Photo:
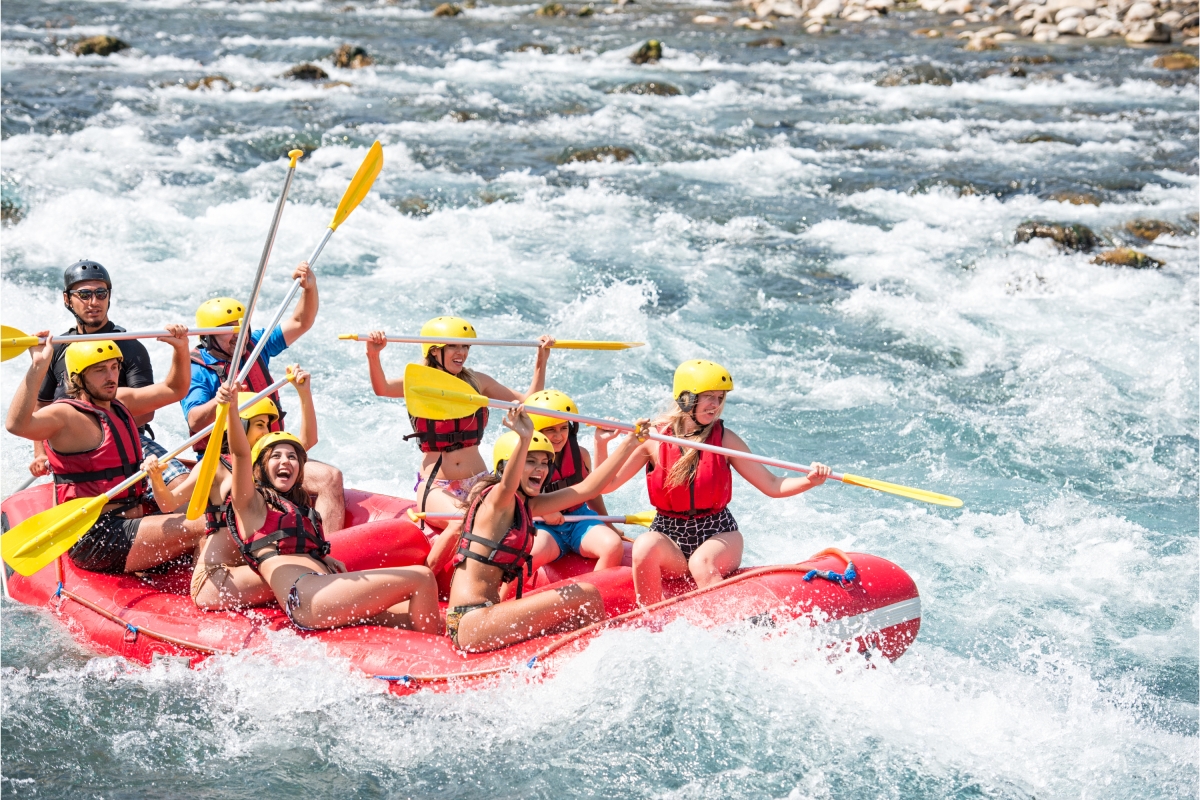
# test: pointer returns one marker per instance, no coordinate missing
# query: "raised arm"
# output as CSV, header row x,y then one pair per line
x,y
767,482
594,484
380,384
247,502
24,418
174,388
517,420
308,411
305,312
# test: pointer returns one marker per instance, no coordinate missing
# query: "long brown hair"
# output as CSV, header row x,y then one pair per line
x,y
296,495
684,470
465,375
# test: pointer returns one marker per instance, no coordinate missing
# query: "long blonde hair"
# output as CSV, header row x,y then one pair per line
x,y
465,375
684,470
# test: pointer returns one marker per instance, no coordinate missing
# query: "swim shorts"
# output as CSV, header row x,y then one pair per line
x,y
569,535
691,532
454,618
171,469
105,548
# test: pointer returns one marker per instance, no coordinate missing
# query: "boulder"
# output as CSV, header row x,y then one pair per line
x,y
1177,61
587,11
1076,198
351,57
977,44
649,88
99,46
551,10
604,153
770,41
826,9
916,74
447,10
1148,32
1139,11
706,19
1069,236
1151,229
545,49
648,53
211,82
463,116
306,72
414,207
1127,257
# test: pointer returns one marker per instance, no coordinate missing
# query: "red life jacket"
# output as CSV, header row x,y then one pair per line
x,y
709,491
257,379
447,435
511,554
288,530
94,472
568,469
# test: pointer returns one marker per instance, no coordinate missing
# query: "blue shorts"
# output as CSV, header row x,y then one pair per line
x,y
172,469
569,535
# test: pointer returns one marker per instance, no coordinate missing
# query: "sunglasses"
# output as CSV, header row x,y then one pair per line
x,y
87,295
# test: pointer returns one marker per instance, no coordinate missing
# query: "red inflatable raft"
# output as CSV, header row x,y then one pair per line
x,y
142,618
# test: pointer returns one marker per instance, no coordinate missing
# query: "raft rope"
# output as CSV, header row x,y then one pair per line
x,y
587,630
840,578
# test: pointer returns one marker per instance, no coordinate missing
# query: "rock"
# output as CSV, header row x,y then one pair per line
x,y
306,72
955,7
551,10
1139,11
99,46
1127,257
1068,13
10,212
587,11
545,49
1177,61
1070,237
826,9
351,57
1151,229
918,74
1005,36
447,10
706,19
931,33
210,82
814,28
414,207
605,153
1171,18
1148,32
978,44
1071,26
335,84
463,116
648,53
1042,59
1109,27
770,41
1039,138
1076,198
649,88
861,15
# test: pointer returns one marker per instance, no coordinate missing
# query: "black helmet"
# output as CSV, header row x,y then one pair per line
x,y
85,271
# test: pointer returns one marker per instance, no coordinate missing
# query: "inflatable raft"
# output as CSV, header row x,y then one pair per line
x,y
148,617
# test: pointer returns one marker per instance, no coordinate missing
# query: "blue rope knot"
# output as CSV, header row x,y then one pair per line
x,y
529,664
131,628
840,578
58,592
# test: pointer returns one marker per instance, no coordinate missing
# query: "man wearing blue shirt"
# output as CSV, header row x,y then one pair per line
x,y
210,365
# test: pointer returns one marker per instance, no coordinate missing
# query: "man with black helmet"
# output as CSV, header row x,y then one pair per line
x,y
87,289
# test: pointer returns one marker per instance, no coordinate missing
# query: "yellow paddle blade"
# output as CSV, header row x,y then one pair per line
x,y
643,518
13,342
44,537
208,466
360,185
575,344
903,491
432,394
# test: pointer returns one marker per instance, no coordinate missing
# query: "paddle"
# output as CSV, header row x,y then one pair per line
x,y
44,537
13,342
561,344
208,465
433,394
643,518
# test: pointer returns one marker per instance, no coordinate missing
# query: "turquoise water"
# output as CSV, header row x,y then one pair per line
x,y
846,249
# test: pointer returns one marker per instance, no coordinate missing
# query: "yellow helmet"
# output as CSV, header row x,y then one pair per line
x,y
698,376
275,438
81,355
507,443
451,327
552,400
265,406
219,311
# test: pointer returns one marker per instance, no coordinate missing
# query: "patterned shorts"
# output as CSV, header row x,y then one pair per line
x,y
172,469
458,489
690,533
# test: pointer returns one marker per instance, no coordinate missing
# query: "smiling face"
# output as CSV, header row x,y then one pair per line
x,y
558,435
452,357
100,380
537,468
709,406
93,311
282,466
258,427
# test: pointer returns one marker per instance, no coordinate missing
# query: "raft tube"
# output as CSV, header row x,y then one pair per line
x,y
150,617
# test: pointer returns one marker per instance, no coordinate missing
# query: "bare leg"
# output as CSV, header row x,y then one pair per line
x,y
654,555
716,558
332,601
326,483
161,538
602,543
562,609
221,578
545,550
